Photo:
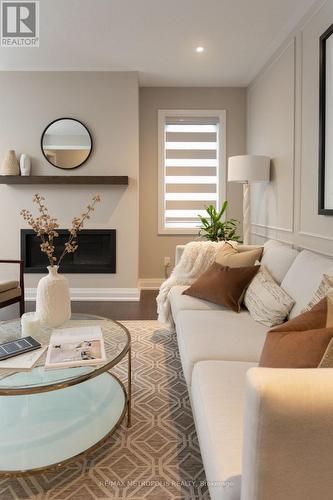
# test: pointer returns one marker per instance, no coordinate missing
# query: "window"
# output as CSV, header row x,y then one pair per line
x,y
192,171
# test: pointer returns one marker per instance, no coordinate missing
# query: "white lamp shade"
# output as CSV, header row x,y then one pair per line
x,y
248,168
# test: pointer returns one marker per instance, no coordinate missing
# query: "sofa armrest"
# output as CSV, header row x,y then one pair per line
x,y
288,434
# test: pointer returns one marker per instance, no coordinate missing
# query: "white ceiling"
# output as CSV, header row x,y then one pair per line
x,y
157,38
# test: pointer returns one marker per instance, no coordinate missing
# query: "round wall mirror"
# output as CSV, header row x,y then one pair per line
x,y
66,143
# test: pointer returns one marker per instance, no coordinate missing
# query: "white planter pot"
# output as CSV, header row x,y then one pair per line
x,y
25,164
53,304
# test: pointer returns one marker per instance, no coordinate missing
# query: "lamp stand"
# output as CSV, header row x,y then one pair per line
x,y
246,214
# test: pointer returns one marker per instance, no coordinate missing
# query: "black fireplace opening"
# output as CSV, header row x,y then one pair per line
x,y
96,252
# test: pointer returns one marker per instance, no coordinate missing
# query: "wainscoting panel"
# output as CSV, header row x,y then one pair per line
x,y
311,224
271,102
278,213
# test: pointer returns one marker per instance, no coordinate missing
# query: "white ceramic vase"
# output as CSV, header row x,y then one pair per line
x,y
53,304
25,164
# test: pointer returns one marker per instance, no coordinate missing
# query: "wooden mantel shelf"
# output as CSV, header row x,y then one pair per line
x,y
65,179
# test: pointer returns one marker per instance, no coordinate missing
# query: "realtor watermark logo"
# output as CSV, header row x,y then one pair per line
x,y
19,23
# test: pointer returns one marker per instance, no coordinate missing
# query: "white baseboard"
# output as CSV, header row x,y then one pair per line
x,y
150,283
97,294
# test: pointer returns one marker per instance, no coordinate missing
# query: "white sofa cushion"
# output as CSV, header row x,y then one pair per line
x,y
304,277
181,302
217,395
277,258
217,335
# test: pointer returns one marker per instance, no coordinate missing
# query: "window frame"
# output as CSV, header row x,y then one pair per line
x,y
222,168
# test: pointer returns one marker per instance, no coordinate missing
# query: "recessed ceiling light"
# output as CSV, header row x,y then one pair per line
x,y
199,49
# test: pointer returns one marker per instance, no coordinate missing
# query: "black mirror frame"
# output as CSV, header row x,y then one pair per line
x,y
322,122
57,120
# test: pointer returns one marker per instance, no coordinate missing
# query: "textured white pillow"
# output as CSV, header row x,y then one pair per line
x,y
325,287
266,301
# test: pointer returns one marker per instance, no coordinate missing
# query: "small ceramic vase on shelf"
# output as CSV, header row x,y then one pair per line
x,y
53,303
25,164
10,165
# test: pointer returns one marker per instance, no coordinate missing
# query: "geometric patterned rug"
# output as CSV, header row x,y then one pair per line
x,y
158,458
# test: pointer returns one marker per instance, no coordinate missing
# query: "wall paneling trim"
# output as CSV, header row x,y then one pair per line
x,y
283,122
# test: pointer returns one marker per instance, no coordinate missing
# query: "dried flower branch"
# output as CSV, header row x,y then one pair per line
x,y
46,227
77,224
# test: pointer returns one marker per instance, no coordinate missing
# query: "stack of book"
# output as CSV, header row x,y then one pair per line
x,y
68,347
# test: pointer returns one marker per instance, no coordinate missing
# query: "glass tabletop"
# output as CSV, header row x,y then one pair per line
x,y
116,340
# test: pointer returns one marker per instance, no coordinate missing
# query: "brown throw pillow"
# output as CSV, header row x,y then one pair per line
x,y
300,342
223,285
232,257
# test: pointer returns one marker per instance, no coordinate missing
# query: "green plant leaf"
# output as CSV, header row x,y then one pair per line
x,y
214,229
223,209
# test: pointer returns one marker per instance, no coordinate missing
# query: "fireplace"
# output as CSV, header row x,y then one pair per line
x,y
96,252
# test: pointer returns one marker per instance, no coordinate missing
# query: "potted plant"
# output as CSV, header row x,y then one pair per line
x,y
53,305
214,228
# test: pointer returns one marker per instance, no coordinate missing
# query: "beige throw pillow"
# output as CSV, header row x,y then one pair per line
x,y
231,257
266,301
247,248
327,359
329,319
323,289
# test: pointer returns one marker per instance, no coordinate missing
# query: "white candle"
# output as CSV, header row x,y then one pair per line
x,y
30,324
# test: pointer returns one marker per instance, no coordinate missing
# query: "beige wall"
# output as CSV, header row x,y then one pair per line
x,y
108,104
154,247
282,122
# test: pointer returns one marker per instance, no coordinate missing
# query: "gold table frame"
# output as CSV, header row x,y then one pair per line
x,y
75,381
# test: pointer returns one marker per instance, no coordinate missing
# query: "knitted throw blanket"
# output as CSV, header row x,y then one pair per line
x,y
196,258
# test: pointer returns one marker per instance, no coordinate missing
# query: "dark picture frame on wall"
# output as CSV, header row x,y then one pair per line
x,y
325,184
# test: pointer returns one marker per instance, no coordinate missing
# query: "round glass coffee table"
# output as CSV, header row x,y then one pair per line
x,y
50,417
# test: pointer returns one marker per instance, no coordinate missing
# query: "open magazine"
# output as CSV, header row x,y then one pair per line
x,y
79,346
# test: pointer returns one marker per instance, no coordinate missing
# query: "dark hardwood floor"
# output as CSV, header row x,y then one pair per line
x,y
144,309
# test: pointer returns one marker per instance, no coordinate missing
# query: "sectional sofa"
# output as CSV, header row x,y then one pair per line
x,y
264,434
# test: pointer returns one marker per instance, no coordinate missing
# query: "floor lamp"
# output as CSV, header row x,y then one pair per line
x,y
247,169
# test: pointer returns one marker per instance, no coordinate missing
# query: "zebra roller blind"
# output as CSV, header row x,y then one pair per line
x,y
190,167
